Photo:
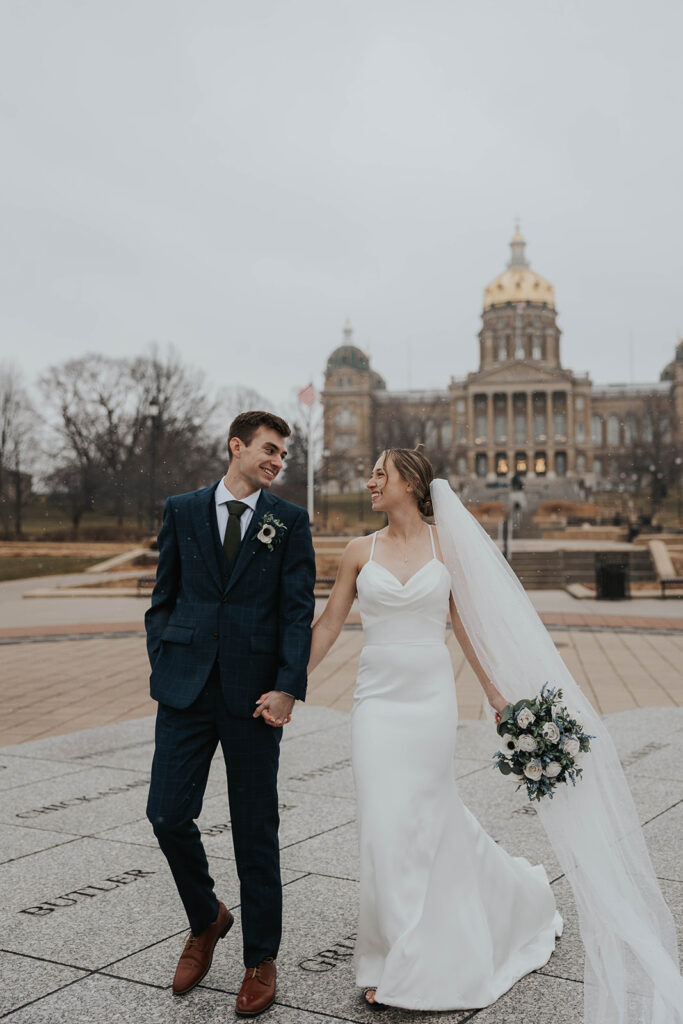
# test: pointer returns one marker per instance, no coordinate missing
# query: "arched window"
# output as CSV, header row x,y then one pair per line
x,y
596,428
647,428
613,429
446,434
580,463
597,466
461,465
630,428
537,350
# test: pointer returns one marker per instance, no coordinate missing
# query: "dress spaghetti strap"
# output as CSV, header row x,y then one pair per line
x,y
431,537
372,549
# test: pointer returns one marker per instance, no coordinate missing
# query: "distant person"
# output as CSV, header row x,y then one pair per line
x,y
517,482
228,636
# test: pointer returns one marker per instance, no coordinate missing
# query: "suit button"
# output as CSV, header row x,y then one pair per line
x,y
224,600
214,636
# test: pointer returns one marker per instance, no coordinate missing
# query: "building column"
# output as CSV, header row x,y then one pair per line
x,y
490,439
530,439
571,434
469,435
510,432
550,436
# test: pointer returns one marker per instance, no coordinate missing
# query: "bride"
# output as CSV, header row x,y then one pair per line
x,y
448,920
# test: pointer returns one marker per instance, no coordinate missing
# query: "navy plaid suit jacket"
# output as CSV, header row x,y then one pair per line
x,y
256,619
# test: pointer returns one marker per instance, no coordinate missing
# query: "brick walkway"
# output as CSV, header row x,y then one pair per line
x,y
58,678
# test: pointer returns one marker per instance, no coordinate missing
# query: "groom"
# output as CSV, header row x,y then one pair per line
x,y
228,637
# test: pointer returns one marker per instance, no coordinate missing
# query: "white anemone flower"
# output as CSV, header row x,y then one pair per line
x,y
266,534
508,744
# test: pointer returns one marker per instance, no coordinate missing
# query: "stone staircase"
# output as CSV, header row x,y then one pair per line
x,y
536,491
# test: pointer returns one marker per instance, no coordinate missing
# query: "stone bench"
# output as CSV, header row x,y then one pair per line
x,y
664,566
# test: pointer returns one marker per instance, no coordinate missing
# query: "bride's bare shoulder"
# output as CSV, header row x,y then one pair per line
x,y
357,551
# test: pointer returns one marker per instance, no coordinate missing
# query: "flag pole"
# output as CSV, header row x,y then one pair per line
x,y
309,466
307,398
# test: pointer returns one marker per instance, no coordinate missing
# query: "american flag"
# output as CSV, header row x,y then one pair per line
x,y
307,395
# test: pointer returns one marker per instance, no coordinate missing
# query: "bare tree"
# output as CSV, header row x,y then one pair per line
x,y
17,437
132,431
652,451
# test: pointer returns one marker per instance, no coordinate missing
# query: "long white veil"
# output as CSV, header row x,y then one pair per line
x,y
631,973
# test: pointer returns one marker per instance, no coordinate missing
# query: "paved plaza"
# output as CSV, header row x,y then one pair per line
x,y
91,924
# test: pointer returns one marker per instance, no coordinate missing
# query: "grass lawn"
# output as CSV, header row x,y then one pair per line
x,y
14,568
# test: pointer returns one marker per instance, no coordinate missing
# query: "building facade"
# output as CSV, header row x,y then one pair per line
x,y
520,412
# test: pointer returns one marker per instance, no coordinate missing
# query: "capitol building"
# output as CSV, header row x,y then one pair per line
x,y
520,412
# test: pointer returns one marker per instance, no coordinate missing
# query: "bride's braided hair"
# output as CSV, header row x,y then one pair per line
x,y
416,469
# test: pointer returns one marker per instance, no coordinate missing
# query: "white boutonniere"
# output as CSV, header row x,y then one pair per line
x,y
269,531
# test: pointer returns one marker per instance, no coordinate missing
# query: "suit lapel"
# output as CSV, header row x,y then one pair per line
x,y
250,544
203,508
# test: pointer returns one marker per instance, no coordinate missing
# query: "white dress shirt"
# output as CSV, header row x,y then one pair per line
x,y
223,496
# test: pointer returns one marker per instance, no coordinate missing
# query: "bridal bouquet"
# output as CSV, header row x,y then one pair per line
x,y
541,743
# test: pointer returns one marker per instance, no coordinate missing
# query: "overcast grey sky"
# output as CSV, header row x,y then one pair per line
x,y
238,178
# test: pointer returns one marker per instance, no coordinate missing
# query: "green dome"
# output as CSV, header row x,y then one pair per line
x,y
348,356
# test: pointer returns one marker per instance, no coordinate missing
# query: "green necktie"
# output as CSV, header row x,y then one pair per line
x,y
233,534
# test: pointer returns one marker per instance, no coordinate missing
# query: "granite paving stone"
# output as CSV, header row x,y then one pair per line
x,y
100,896
664,837
315,963
19,841
84,802
19,771
319,764
100,999
537,999
79,803
26,979
333,853
89,902
75,746
302,815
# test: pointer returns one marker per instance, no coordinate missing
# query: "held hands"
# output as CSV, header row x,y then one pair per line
x,y
274,707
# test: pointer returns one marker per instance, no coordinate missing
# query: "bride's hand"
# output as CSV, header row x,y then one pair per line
x,y
498,703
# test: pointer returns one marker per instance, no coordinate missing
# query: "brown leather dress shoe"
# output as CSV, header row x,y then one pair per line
x,y
195,959
258,989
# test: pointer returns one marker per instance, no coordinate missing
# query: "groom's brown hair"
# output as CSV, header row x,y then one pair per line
x,y
246,424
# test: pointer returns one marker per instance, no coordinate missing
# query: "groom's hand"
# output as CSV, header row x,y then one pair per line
x,y
275,707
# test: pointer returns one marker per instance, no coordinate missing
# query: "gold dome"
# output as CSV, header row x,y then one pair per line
x,y
519,283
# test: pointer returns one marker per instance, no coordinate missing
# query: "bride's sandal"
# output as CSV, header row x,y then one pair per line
x,y
372,1003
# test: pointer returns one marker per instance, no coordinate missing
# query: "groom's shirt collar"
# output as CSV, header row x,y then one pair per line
x,y
222,496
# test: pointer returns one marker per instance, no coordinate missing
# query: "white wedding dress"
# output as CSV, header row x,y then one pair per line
x,y
448,920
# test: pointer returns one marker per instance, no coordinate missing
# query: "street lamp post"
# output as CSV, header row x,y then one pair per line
x,y
326,483
153,414
360,469
679,498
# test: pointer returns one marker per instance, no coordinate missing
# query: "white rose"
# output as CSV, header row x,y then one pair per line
x,y
525,718
534,770
570,746
552,769
526,743
551,732
508,744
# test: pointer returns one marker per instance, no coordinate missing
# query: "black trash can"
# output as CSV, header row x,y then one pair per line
x,y
611,578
